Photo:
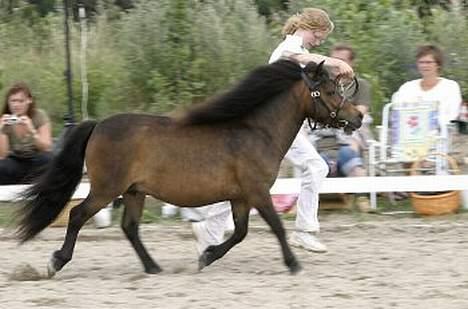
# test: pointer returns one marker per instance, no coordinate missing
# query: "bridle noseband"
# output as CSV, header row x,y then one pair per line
x,y
314,87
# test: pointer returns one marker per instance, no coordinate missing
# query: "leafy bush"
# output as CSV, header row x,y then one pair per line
x,y
383,37
447,30
160,55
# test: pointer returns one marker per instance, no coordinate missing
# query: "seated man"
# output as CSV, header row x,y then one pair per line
x,y
344,154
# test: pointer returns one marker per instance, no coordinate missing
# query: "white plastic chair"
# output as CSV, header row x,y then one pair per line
x,y
409,132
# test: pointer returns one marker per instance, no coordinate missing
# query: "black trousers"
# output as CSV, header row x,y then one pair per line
x,y
17,170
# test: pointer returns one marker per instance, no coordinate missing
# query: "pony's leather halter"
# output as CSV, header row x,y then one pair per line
x,y
316,98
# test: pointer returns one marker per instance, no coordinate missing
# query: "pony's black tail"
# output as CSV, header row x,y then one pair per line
x,y
49,194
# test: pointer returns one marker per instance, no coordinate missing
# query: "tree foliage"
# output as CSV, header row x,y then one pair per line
x,y
385,37
156,56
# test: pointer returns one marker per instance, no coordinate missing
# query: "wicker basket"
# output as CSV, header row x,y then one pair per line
x,y
437,204
63,217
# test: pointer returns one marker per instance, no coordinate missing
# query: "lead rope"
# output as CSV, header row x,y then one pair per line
x,y
315,114
310,124
311,87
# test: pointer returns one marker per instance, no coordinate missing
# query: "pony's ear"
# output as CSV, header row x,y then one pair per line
x,y
314,68
319,68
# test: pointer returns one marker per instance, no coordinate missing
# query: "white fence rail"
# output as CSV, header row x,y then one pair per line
x,y
11,192
378,184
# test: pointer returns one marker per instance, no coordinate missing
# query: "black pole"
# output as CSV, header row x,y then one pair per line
x,y
69,117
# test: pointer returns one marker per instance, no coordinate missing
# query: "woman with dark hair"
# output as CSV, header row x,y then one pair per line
x,y
25,136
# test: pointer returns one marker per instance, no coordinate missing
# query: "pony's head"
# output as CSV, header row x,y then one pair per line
x,y
329,103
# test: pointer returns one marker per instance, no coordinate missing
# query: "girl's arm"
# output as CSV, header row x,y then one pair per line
x,y
4,142
4,145
340,67
43,137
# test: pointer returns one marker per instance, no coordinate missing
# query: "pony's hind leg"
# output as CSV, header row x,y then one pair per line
x,y
78,217
240,212
269,214
134,202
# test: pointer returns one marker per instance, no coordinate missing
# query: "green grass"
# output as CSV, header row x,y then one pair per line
x,y
6,213
152,211
385,205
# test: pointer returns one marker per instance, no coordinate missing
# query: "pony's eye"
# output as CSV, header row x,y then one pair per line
x,y
331,93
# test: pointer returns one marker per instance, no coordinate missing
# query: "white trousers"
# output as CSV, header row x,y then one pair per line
x,y
313,168
217,218
303,155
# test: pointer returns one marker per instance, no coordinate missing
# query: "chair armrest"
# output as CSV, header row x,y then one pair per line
x,y
372,156
378,130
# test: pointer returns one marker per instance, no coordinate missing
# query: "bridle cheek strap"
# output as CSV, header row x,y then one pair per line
x,y
315,94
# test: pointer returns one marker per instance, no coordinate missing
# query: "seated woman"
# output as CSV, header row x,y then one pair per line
x,y
432,87
25,137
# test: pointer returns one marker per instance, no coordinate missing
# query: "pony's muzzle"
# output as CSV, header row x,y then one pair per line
x,y
343,123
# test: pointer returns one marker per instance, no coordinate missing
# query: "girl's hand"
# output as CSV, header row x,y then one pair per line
x,y
341,68
338,67
26,121
3,120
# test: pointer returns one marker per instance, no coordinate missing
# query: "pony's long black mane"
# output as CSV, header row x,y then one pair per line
x,y
258,88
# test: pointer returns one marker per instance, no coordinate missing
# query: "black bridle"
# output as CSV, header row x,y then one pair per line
x,y
314,87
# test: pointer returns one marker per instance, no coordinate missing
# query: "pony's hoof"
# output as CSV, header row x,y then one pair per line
x,y
202,262
56,263
206,258
153,270
51,270
295,268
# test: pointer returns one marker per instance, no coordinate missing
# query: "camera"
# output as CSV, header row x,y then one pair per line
x,y
12,120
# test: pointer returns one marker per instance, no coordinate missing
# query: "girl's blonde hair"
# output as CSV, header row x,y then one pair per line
x,y
309,19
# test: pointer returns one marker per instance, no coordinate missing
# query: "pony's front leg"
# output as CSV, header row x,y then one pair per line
x,y
240,212
78,217
134,203
268,213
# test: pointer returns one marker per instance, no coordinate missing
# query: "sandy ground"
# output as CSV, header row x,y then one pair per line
x,y
373,261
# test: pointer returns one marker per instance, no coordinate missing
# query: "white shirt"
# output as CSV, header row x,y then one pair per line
x,y
446,92
291,44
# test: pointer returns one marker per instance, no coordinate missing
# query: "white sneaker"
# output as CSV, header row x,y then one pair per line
x,y
169,210
202,236
307,241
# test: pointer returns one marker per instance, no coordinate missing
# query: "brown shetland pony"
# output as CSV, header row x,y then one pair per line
x,y
229,148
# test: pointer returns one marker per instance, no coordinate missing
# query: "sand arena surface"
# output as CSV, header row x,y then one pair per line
x,y
373,262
